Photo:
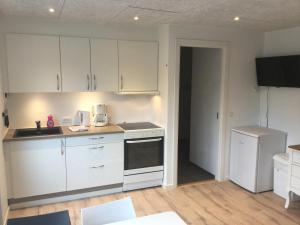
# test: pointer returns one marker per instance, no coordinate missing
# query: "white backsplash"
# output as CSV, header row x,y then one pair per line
x,y
25,109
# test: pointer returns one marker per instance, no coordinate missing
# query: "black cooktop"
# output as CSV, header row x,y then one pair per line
x,y
137,126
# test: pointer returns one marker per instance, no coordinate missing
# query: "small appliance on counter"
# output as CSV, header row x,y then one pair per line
x,y
84,118
100,117
144,155
83,122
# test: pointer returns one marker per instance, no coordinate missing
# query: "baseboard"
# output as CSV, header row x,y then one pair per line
x,y
169,186
6,216
51,200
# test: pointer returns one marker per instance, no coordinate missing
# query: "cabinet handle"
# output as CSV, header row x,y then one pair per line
x,y
95,85
57,79
62,147
95,167
88,81
121,82
96,138
95,148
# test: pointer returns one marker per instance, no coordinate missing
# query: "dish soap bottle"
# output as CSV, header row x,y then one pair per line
x,y
50,122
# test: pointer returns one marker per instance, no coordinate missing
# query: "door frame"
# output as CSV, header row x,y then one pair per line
x,y
224,46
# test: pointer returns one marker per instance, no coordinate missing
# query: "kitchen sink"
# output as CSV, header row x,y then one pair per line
x,y
29,132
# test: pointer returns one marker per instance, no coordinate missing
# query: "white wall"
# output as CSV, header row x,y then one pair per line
x,y
24,109
284,107
243,97
205,102
163,76
3,191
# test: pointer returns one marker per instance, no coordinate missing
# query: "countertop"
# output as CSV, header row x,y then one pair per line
x,y
295,147
109,129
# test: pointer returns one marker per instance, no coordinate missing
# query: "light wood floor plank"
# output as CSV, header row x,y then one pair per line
x,y
211,203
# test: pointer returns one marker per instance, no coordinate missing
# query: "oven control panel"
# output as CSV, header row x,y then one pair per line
x,y
147,133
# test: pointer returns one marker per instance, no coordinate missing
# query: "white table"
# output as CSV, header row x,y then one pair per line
x,y
167,218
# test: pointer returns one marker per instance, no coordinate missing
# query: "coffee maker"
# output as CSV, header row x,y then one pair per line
x,y
100,117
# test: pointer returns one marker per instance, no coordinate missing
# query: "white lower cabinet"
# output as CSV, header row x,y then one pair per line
x,y
36,167
94,165
48,166
94,161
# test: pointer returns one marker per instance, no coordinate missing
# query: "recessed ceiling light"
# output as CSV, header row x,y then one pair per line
x,y
136,18
236,18
51,10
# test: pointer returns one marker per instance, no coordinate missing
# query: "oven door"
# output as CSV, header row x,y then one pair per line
x,y
144,153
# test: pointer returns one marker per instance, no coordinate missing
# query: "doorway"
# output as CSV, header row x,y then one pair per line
x,y
199,106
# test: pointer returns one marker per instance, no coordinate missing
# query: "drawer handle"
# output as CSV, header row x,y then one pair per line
x,y
95,148
96,138
95,167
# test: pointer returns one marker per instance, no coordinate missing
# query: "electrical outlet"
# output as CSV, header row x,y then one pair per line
x,y
66,121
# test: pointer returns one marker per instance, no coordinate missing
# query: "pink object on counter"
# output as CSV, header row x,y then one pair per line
x,y
50,122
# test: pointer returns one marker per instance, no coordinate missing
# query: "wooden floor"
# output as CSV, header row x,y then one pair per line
x,y
209,202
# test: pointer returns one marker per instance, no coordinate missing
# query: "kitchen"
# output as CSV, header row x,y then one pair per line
x,y
79,53
85,65
39,99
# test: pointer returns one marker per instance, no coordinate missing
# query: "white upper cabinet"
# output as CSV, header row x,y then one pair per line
x,y
38,63
104,65
138,66
75,64
33,63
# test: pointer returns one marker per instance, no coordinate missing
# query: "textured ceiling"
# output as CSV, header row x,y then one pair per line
x,y
254,14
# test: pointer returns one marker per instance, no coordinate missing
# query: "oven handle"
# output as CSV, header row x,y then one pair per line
x,y
143,141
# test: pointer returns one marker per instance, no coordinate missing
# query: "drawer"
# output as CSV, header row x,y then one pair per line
x,y
295,182
88,175
94,165
94,139
143,177
296,157
94,154
113,152
296,171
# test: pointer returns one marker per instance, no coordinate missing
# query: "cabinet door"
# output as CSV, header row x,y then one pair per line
x,y
33,63
243,160
37,167
94,165
104,65
75,64
138,62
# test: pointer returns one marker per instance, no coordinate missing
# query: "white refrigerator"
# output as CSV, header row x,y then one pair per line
x,y
251,156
